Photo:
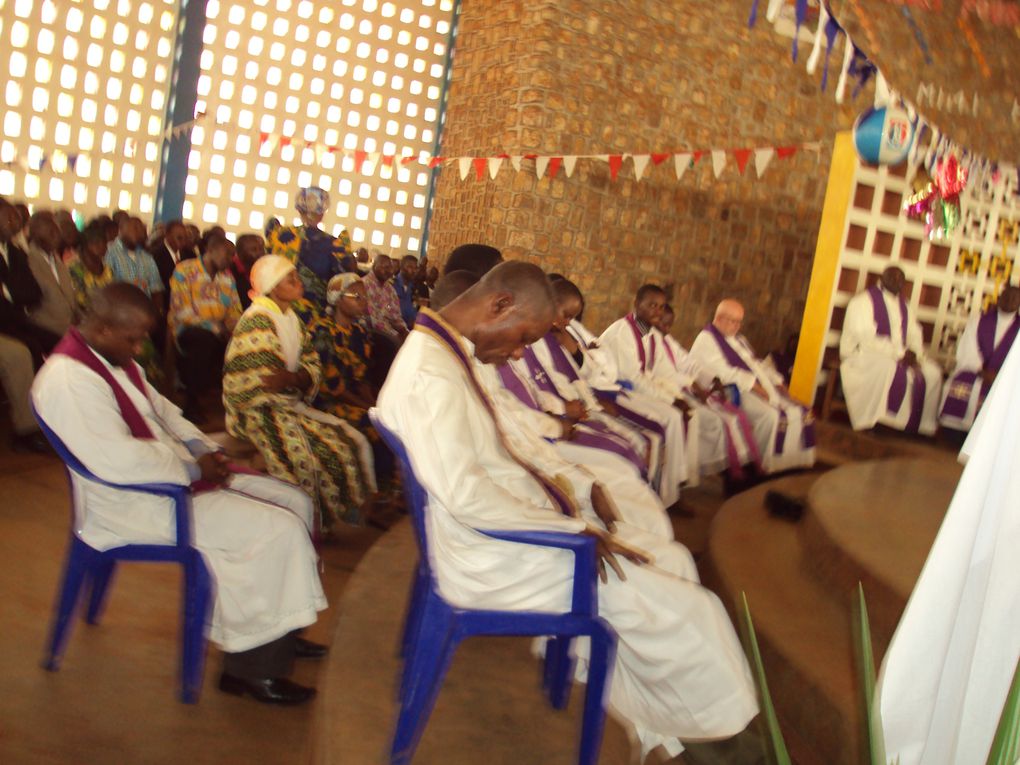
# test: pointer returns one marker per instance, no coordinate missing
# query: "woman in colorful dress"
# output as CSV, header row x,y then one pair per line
x,y
271,369
317,256
344,347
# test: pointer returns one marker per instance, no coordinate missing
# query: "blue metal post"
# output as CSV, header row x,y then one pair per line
x,y
173,169
440,122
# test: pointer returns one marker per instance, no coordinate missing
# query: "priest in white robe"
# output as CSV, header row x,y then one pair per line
x,y
679,671
886,379
980,353
252,531
783,428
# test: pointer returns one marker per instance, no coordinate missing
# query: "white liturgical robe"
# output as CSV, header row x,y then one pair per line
x,y
253,534
868,364
947,672
679,670
965,382
779,450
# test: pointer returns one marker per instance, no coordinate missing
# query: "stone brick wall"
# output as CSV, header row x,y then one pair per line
x,y
573,77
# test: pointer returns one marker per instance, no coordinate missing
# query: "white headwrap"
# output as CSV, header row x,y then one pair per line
x,y
339,284
267,272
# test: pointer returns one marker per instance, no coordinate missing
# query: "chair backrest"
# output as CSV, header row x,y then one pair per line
x,y
416,495
179,494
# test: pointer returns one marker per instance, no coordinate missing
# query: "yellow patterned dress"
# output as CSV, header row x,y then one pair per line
x,y
325,457
318,257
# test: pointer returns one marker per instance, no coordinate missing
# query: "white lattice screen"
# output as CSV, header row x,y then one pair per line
x,y
84,101
946,281
358,75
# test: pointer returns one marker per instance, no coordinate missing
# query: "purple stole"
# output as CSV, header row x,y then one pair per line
x,y
807,433
992,357
432,324
593,434
73,346
647,362
898,388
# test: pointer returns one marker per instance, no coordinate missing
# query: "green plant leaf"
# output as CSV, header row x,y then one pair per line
x,y
1006,744
776,750
871,713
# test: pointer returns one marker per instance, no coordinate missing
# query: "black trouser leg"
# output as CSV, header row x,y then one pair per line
x,y
270,660
201,363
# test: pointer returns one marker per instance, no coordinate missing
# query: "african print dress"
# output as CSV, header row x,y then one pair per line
x,y
327,458
344,353
318,257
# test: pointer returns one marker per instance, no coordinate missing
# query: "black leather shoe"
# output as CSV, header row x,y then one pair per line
x,y
271,690
306,649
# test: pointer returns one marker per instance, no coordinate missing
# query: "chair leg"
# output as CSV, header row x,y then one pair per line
x,y
559,671
603,656
76,571
102,572
196,608
428,659
412,622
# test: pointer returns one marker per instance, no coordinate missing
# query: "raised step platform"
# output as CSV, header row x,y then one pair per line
x,y
872,522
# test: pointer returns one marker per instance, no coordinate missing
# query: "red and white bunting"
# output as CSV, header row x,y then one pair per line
x,y
569,163
464,163
640,163
540,165
718,161
762,157
680,163
494,164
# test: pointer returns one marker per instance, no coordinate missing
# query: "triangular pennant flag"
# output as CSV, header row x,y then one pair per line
x,y
640,163
284,141
569,162
435,161
658,159
540,165
494,164
359,159
718,161
515,162
320,152
741,156
72,160
464,166
387,159
408,159
42,163
785,151
373,161
762,157
680,163
696,156
479,163
263,137
615,163
554,165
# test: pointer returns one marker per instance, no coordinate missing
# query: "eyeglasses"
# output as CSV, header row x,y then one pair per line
x,y
354,295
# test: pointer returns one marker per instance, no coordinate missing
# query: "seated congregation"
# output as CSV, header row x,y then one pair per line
x,y
516,416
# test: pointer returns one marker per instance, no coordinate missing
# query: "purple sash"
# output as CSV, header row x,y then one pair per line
x,y
73,346
898,387
881,314
732,357
432,324
992,357
669,352
647,362
561,363
516,386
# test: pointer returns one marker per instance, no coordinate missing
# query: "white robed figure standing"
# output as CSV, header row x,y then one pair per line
x,y
980,353
886,379
253,531
949,666
784,429
679,671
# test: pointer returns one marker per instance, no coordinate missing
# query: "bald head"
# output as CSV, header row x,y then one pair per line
x,y
118,322
479,259
1009,299
511,307
729,315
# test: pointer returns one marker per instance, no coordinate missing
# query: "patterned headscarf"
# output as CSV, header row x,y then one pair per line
x,y
267,272
312,201
338,285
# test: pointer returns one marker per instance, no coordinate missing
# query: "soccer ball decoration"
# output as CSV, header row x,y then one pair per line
x,y
882,136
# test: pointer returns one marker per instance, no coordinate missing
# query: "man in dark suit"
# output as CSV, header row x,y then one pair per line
x,y
174,248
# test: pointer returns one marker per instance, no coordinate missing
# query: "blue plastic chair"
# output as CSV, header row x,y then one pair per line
x,y
91,569
433,629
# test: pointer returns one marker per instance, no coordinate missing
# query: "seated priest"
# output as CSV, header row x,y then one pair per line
x,y
980,353
252,531
886,379
679,672
784,429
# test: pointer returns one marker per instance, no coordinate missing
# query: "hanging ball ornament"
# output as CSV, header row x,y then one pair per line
x,y
882,136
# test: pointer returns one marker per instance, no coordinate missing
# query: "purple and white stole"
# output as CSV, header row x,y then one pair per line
x,y
433,325
647,360
992,357
898,387
734,359
591,433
